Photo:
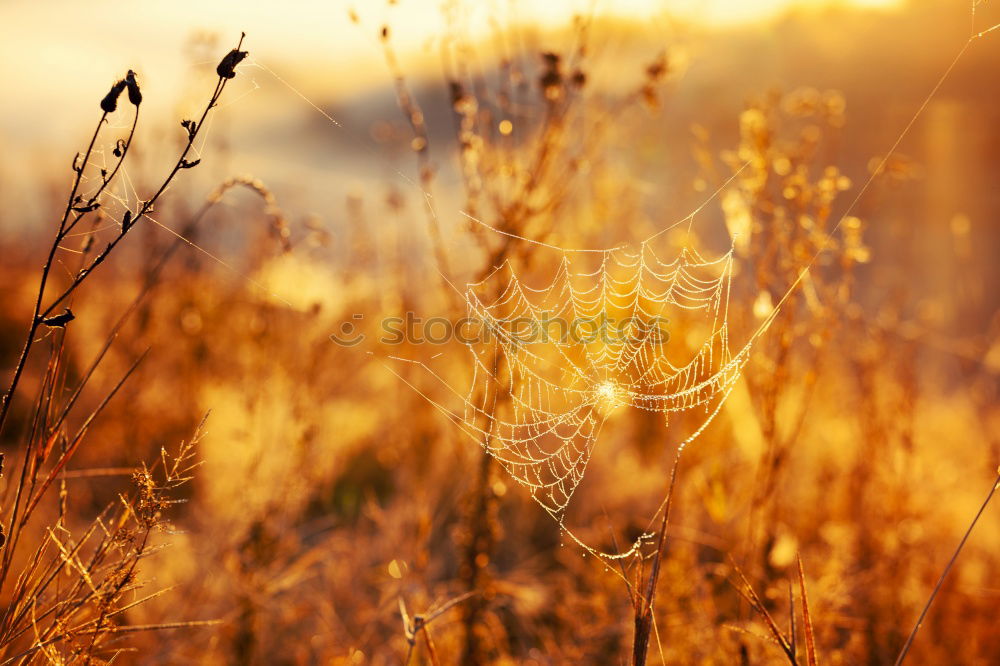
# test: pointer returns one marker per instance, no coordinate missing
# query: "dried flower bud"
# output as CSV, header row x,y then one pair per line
x,y
657,69
134,95
60,321
227,67
110,101
551,79
457,92
550,82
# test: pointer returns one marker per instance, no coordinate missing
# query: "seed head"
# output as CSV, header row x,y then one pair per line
x,y
551,79
227,67
134,95
457,92
60,321
110,101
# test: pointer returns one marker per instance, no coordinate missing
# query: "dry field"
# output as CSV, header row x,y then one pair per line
x,y
588,340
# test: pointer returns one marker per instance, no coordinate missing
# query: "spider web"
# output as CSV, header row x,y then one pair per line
x,y
539,397
538,406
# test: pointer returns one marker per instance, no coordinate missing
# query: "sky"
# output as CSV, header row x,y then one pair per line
x,y
57,58
49,49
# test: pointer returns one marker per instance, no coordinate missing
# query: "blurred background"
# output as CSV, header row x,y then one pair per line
x,y
338,166
882,56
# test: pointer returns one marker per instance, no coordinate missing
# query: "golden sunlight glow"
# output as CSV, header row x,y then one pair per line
x,y
610,397
322,33
716,12
509,322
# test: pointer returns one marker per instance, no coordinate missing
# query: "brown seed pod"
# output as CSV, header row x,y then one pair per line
x,y
457,92
60,321
134,95
110,101
550,80
227,67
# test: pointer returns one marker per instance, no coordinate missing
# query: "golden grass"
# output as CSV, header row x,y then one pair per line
x,y
326,512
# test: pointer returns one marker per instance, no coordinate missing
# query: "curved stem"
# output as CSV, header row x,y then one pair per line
x,y
106,180
146,206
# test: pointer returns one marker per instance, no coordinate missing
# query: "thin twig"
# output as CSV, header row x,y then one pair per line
x,y
944,574
644,605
